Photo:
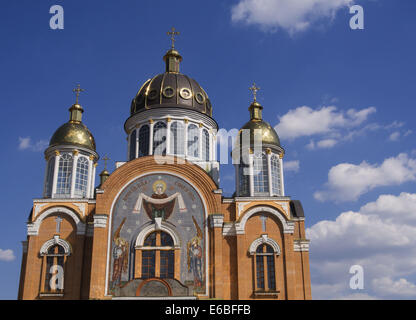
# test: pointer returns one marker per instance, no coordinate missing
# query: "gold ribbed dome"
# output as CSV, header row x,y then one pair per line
x,y
268,134
74,132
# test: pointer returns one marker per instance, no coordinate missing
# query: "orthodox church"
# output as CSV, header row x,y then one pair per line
x,y
158,226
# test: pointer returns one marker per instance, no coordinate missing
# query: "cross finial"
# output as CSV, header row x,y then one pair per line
x,y
172,33
106,158
77,91
254,90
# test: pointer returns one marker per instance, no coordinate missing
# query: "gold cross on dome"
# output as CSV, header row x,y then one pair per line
x,y
254,90
77,91
172,33
106,158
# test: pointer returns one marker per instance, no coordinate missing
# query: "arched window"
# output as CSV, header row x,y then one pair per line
x,y
81,180
49,177
177,138
133,145
205,145
193,141
158,250
275,168
144,141
265,268
260,174
54,253
243,178
63,187
159,138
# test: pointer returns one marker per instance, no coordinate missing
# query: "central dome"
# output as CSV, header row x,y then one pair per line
x,y
171,89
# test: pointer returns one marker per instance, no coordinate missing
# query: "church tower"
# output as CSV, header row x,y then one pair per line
x,y
158,226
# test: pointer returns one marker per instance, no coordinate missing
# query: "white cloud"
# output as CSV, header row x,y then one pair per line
x,y
381,237
6,255
290,15
292,165
347,182
394,136
305,121
26,144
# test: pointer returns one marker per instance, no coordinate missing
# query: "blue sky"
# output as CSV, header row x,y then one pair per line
x,y
342,102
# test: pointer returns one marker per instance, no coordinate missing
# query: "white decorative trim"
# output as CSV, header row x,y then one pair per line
x,y
240,207
216,220
100,220
301,245
264,239
38,208
285,207
162,227
288,226
33,228
81,207
55,240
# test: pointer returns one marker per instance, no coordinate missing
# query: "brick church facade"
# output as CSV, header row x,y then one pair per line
x,y
159,226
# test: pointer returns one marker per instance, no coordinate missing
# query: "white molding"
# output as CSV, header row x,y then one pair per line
x,y
55,240
153,227
100,220
216,220
301,245
264,239
38,208
33,227
81,207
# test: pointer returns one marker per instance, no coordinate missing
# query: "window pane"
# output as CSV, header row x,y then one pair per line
x,y
49,177
205,145
260,174
166,240
144,141
193,141
260,272
167,263
243,179
177,137
159,138
148,263
275,167
81,180
63,186
133,145
271,273
150,240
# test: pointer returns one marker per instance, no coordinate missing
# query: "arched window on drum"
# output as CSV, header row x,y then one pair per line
x,y
144,141
81,181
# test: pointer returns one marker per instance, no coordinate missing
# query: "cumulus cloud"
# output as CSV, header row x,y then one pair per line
x,y
394,136
6,255
305,121
292,165
347,182
290,15
27,144
380,237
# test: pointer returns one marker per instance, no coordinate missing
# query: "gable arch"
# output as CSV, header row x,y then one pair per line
x,y
152,228
264,240
56,240
33,228
288,226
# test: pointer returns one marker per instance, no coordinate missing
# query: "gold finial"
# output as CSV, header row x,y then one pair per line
x,y
254,90
172,33
77,91
106,158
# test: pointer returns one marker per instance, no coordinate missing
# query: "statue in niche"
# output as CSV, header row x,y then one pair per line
x,y
159,204
195,256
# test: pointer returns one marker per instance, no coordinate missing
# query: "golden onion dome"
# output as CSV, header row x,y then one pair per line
x,y
74,132
171,89
266,132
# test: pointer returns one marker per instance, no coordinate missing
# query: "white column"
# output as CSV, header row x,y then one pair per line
x,y
251,176
169,122
74,172
90,163
151,137
93,180
137,143
269,171
55,173
281,177
200,143
186,138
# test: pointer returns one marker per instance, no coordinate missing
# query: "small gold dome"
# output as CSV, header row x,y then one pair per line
x,y
73,133
268,134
